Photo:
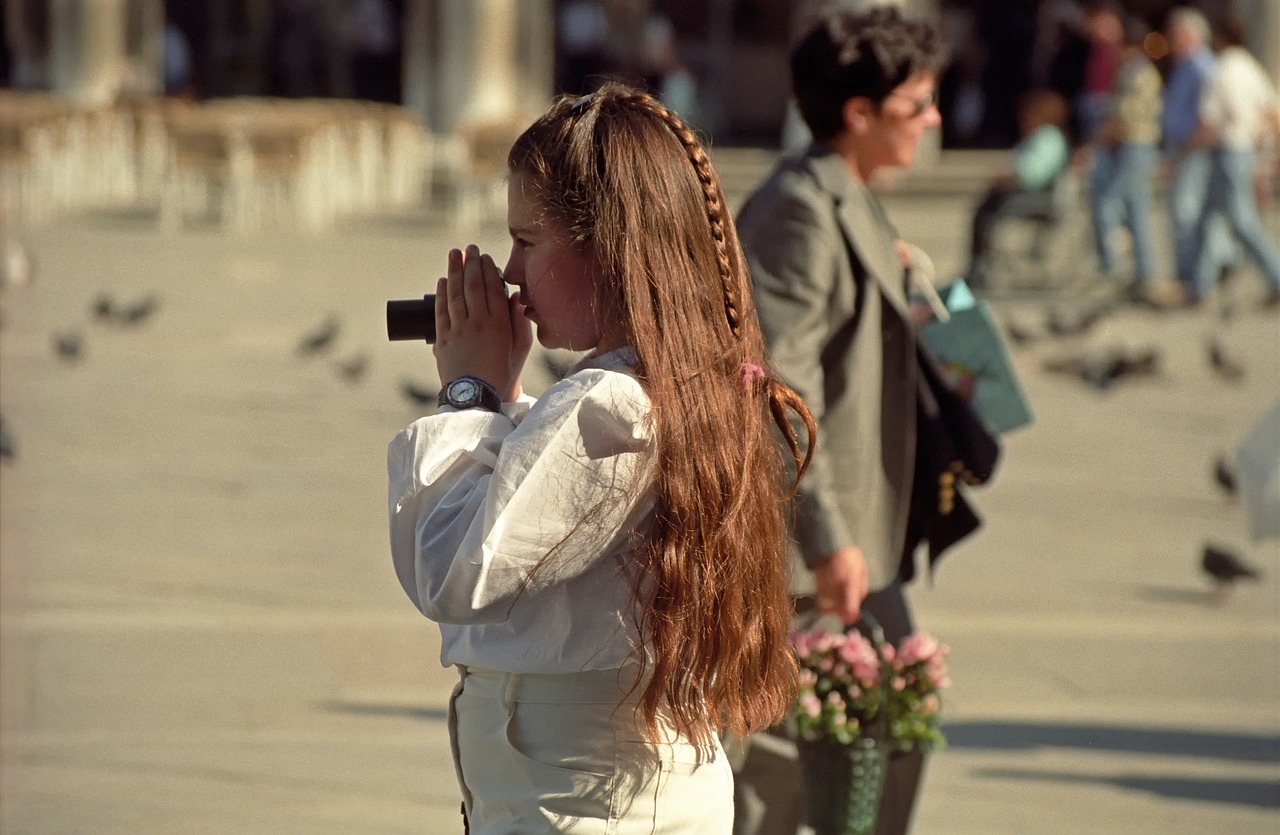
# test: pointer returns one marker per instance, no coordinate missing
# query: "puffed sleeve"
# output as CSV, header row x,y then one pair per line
x,y
477,501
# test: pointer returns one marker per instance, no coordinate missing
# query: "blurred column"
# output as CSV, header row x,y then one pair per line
x,y
99,48
536,55
480,60
87,49
144,47
416,71
477,60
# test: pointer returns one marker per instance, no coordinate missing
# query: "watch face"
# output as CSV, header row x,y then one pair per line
x,y
464,392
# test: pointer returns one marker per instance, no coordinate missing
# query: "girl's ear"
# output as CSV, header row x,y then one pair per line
x,y
857,114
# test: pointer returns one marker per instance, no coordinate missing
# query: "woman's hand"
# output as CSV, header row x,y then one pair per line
x,y
842,583
479,330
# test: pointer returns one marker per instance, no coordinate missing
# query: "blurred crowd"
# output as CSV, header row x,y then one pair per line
x,y
1125,107
1127,97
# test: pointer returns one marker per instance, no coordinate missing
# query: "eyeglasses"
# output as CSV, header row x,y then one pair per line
x,y
919,103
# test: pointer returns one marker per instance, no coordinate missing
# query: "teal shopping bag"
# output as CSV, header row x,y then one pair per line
x,y
972,352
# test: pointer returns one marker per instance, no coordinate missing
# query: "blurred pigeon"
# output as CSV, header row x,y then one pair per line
x,y
353,367
321,338
8,446
103,307
1060,324
1224,569
68,346
1226,366
1224,475
1103,371
418,395
1019,334
138,312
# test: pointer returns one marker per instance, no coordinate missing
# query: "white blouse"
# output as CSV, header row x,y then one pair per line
x,y
477,501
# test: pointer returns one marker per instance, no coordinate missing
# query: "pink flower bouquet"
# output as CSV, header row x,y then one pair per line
x,y
849,689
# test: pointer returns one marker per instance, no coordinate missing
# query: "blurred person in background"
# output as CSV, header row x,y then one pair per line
x,y
1186,156
1238,116
582,31
1124,155
1062,50
664,72
178,78
1104,32
1039,159
966,102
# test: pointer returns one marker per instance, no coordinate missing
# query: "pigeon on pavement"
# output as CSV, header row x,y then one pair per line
x,y
138,312
1223,364
418,395
8,446
1224,569
1059,323
69,346
320,339
104,307
1103,370
1224,475
352,368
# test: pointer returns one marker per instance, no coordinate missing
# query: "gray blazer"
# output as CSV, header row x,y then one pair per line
x,y
831,296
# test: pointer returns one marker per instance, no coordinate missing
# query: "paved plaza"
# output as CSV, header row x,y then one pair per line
x,y
201,631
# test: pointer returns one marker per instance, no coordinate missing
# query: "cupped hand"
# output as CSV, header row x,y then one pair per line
x,y
479,330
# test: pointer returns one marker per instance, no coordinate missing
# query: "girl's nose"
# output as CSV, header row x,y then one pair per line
x,y
512,275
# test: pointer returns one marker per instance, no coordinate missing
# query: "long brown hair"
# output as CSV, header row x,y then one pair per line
x,y
632,184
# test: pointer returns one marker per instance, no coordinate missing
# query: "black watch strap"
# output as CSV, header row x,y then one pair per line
x,y
470,393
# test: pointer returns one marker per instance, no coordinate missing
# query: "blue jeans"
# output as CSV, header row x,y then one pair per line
x,y
1121,186
1188,196
1231,197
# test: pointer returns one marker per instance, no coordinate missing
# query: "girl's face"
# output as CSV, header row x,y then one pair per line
x,y
557,281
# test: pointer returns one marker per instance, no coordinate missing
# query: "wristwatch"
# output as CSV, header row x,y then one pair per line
x,y
469,393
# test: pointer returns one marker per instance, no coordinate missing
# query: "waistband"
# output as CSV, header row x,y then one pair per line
x,y
590,687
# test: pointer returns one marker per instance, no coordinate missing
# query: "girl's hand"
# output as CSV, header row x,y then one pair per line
x,y
479,331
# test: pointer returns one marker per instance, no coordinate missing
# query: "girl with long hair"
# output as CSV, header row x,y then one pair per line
x,y
606,562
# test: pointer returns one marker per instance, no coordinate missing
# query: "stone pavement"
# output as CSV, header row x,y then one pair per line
x,y
200,630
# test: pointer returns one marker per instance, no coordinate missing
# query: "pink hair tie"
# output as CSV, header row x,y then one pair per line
x,y
750,373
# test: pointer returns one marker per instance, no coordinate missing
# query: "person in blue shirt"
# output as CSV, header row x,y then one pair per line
x,y
1188,160
1039,159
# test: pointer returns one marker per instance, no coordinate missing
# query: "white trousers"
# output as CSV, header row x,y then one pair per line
x,y
567,754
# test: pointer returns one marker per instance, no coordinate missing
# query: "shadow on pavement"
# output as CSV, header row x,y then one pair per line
x,y
1020,736
1261,793
1176,595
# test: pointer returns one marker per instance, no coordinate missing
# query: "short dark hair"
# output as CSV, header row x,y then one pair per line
x,y
846,54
